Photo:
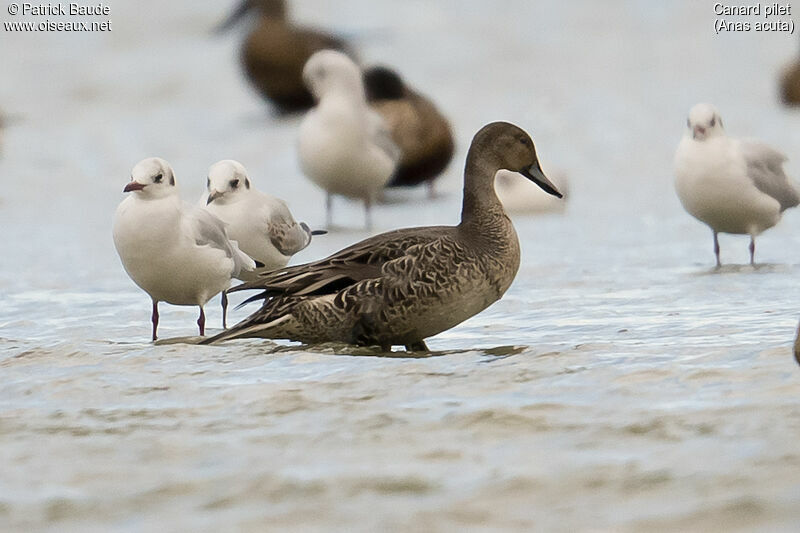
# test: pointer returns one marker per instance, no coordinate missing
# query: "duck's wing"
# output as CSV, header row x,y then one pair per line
x,y
765,168
361,261
208,230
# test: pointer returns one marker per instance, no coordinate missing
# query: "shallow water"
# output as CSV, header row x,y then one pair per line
x,y
622,384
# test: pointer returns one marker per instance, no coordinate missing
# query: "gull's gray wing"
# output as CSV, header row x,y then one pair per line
x,y
765,168
381,136
208,230
284,232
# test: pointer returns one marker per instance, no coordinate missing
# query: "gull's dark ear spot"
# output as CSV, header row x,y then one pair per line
x,y
247,183
171,179
713,121
720,122
688,123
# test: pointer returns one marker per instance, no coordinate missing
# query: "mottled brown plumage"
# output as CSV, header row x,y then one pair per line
x,y
421,132
274,52
403,286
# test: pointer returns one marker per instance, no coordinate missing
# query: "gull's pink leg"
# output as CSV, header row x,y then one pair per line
x,y
368,213
716,249
752,250
329,210
154,318
224,309
201,322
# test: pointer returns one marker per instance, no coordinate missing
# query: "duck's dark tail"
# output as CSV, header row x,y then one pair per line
x,y
251,327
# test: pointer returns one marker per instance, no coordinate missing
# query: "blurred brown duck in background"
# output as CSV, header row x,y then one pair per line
x,y
421,132
274,52
797,345
790,83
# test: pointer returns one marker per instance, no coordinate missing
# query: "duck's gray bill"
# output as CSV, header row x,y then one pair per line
x,y
243,7
535,174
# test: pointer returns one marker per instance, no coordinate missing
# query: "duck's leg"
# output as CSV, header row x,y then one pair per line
x,y
224,309
154,319
418,346
329,210
201,322
752,250
368,212
716,249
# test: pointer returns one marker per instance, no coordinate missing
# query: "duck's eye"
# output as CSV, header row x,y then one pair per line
x,y
234,183
713,121
158,178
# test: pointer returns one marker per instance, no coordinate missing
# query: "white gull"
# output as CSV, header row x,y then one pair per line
x,y
733,185
344,146
261,224
177,253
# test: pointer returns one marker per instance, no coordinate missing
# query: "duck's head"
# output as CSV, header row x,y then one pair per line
x,y
275,9
383,83
329,71
227,179
704,122
152,178
506,146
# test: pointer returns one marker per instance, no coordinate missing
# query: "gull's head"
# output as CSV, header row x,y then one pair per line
x,y
704,122
152,178
509,147
329,71
227,179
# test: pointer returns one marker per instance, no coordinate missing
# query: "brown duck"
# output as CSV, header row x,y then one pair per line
x,y
421,132
274,52
400,287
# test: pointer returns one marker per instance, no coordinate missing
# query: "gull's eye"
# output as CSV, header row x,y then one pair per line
x,y
234,183
158,178
713,121
208,183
